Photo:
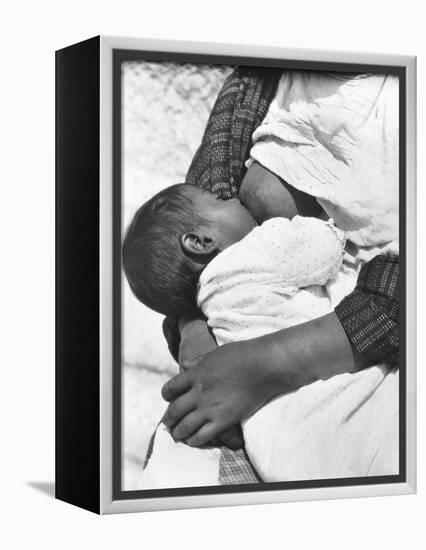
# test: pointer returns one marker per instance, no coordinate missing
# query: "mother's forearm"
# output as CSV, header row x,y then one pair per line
x,y
300,355
282,361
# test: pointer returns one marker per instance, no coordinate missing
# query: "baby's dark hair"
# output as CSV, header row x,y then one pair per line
x,y
156,266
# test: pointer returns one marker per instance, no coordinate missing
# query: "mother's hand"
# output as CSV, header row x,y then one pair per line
x,y
227,385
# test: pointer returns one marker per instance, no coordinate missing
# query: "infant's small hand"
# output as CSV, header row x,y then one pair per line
x,y
232,438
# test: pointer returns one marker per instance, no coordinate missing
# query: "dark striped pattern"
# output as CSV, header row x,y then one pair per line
x,y
242,104
235,468
370,315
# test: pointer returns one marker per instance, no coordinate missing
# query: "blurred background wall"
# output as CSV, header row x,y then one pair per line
x,y
165,110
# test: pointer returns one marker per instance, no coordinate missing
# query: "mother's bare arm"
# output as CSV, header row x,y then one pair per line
x,y
235,380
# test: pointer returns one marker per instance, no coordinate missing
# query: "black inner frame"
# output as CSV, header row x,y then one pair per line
x,y
119,56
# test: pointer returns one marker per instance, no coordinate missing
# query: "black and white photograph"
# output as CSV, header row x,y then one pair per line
x,y
259,299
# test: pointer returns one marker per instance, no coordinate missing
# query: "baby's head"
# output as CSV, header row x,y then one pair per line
x,y
171,239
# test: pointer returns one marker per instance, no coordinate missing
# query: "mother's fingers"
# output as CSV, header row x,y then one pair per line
x,y
188,426
179,408
203,435
176,386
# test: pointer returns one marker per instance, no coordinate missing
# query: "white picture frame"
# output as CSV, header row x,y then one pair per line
x,y
107,496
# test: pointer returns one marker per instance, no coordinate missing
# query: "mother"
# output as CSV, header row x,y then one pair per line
x,y
362,331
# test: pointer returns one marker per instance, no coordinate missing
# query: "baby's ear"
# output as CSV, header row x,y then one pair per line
x,y
198,244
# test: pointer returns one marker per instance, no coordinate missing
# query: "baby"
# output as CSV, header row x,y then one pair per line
x,y
187,249
175,235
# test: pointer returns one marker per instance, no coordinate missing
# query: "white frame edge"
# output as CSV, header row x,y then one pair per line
x,y
107,504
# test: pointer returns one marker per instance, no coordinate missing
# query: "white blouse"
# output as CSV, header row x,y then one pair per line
x,y
336,137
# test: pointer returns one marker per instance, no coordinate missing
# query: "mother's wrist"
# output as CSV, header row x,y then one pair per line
x,y
287,366
266,363
303,354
